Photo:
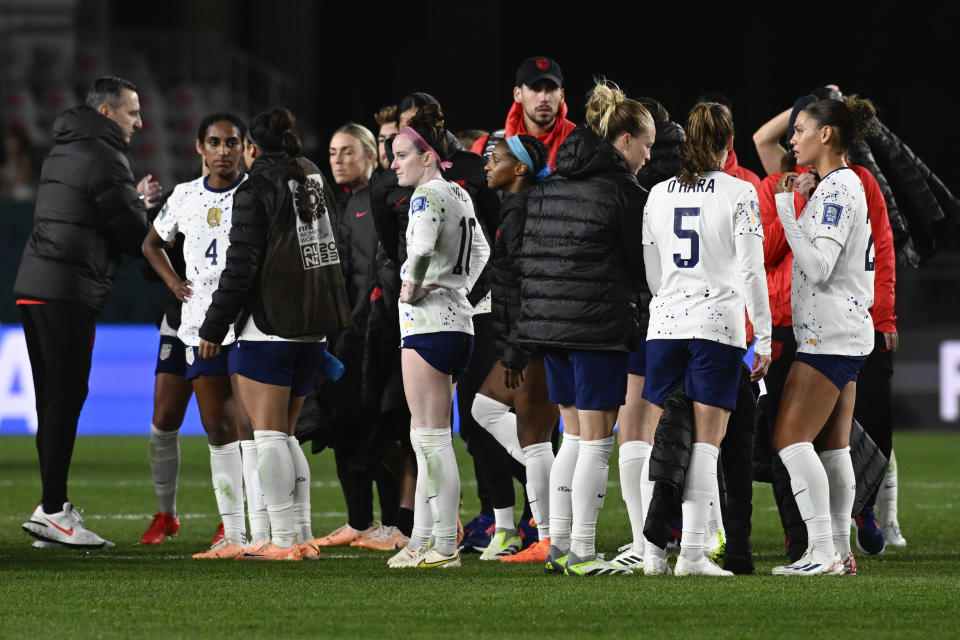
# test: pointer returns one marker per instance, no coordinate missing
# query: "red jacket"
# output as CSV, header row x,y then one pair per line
x,y
551,139
732,168
778,258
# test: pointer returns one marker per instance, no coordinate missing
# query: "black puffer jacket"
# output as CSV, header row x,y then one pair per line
x,y
665,157
292,285
88,212
582,256
504,268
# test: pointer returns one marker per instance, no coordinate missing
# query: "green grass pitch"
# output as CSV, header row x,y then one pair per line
x,y
160,592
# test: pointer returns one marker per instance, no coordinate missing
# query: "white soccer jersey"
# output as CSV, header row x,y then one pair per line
x,y
445,247
701,293
833,317
203,215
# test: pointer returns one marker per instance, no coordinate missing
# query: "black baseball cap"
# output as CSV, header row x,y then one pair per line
x,y
539,68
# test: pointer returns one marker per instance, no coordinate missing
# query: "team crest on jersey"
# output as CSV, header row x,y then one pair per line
x,y
214,216
419,204
831,214
165,351
189,355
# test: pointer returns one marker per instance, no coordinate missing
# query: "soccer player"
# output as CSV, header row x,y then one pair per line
x,y
202,211
446,251
703,251
282,279
580,262
831,293
517,379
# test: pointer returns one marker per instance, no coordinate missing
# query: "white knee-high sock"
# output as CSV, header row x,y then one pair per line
x,y
631,458
589,490
887,495
301,491
164,454
700,487
496,418
226,466
256,509
538,459
812,493
422,517
842,483
561,483
714,518
277,479
646,486
443,485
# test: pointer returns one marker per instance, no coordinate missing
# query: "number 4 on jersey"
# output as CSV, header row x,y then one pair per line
x,y
211,252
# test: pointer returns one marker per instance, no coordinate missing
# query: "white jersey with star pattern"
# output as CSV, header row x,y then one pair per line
x,y
833,317
203,215
701,293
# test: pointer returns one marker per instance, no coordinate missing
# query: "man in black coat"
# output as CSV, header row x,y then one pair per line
x,y
88,211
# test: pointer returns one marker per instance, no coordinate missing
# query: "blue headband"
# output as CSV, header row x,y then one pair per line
x,y
521,154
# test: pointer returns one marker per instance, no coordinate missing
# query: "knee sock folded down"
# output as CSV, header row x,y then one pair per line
x,y
843,488
164,454
561,483
301,491
277,480
539,459
589,490
699,491
226,466
496,418
632,456
808,479
256,509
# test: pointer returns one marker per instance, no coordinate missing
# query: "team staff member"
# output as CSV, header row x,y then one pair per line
x,y
283,286
830,297
703,250
89,210
446,253
538,110
580,269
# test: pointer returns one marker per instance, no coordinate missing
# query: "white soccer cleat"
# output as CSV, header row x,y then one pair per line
x,y
810,565
702,567
892,535
503,543
64,527
654,565
433,559
407,558
629,558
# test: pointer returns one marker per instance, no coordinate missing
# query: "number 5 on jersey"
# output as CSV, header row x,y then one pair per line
x,y
679,214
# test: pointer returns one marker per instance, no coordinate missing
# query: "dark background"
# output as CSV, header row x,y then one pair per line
x,y
348,59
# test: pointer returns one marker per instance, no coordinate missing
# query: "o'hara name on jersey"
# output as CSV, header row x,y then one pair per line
x,y
317,245
703,185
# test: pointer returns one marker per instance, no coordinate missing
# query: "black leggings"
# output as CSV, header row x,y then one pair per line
x,y
59,338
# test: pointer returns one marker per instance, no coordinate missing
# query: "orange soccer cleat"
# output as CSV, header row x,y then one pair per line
x,y
537,552
271,552
223,550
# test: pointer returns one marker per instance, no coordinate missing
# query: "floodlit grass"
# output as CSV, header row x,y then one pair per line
x,y
138,591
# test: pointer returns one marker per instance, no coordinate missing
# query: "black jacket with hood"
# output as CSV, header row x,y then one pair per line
x,y
290,282
88,213
582,256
